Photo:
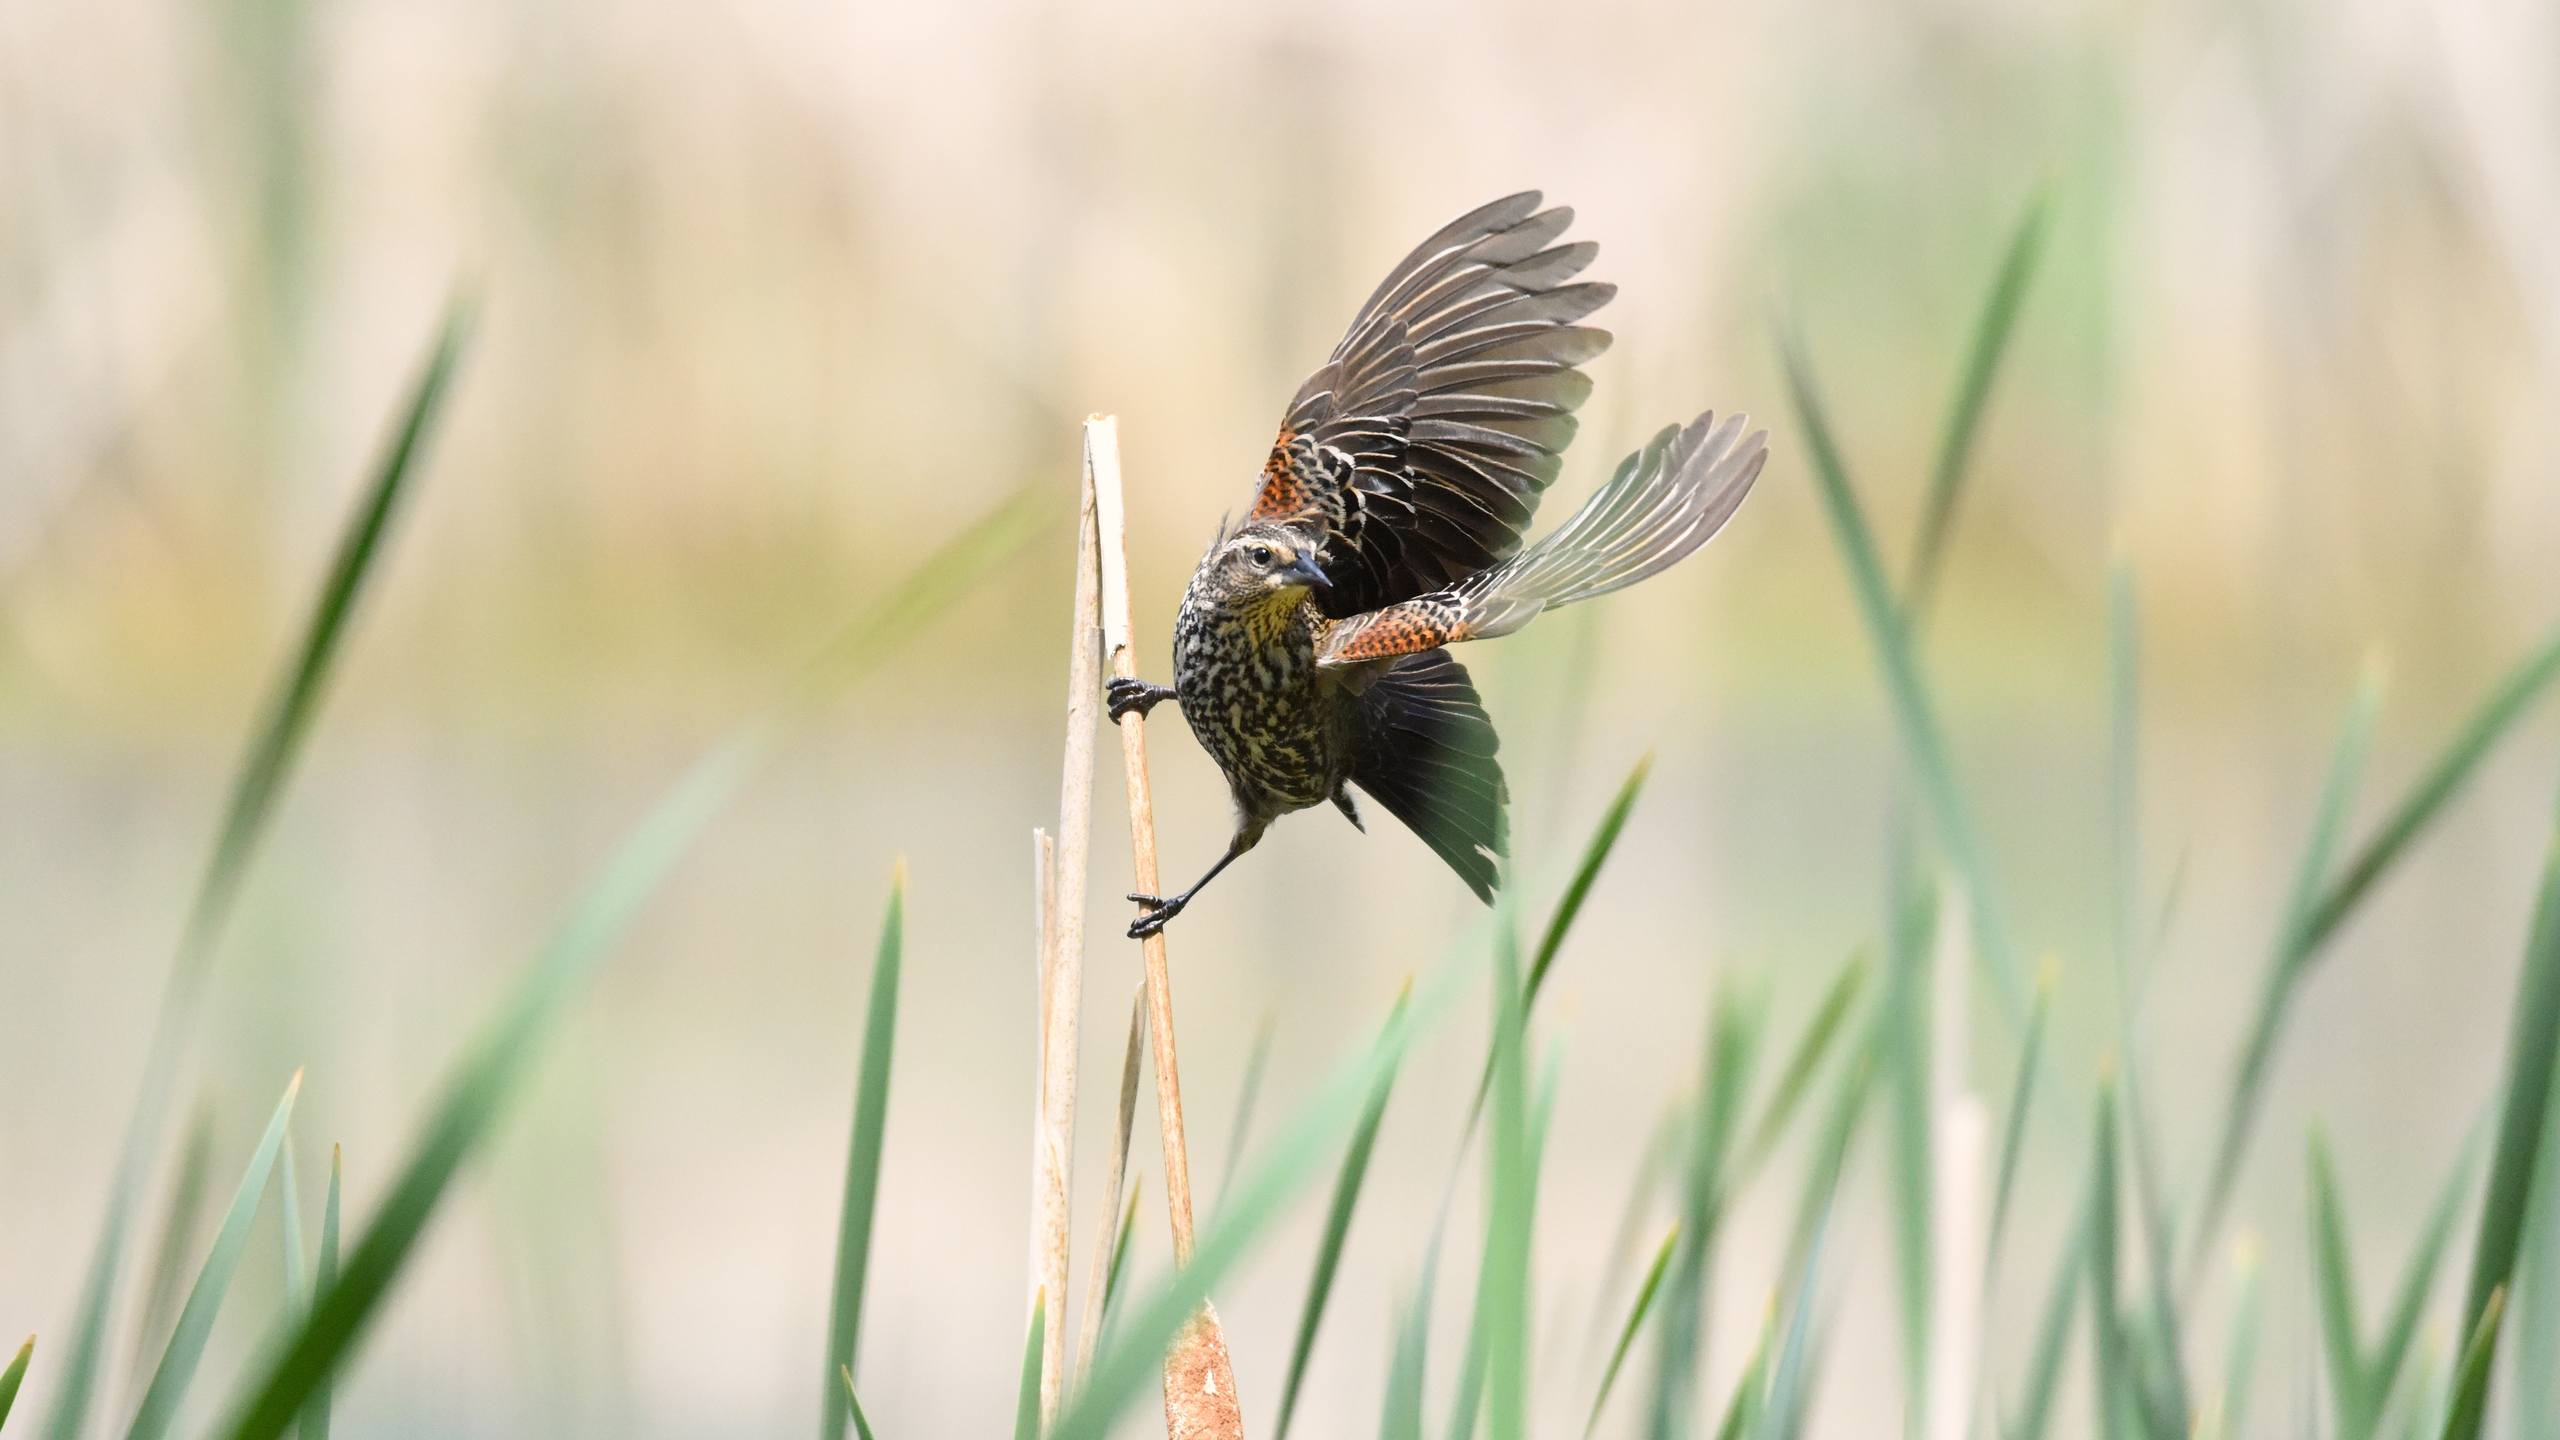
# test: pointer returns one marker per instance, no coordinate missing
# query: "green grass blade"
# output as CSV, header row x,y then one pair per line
x,y
1503,1291
1973,393
853,1402
1627,1234
2240,1365
1400,1416
1248,1094
1595,854
1795,1078
2538,1283
177,1370
2441,782
256,784
1635,1321
2053,1328
1119,1256
2350,1391
2013,1130
1132,1358
862,1158
1026,1402
1783,1419
2284,968
1910,1112
2471,1389
170,1268
1681,1337
1915,716
2533,1059
493,1067
1337,1230
14,1376
297,1285
2114,1380
2390,1350
315,1411
1750,1389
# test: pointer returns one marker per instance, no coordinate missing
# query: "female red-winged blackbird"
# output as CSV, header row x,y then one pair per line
x,y
1387,524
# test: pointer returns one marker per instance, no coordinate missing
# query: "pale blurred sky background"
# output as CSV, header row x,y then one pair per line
x,y
777,293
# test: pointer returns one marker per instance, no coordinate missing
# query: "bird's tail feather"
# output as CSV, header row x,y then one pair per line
x,y
1426,751
1665,501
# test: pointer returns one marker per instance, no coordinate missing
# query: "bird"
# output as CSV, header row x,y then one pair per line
x,y
1388,523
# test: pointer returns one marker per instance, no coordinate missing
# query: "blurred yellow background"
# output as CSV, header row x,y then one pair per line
x,y
775,295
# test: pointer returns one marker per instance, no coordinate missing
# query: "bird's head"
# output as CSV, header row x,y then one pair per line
x,y
1263,564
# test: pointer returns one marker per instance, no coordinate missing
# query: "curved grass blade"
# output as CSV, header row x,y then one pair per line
x,y
256,785
14,1376
2284,969
862,1157
1911,1113
315,1412
2351,1392
2013,1130
1119,1256
170,1254
853,1402
168,1388
1964,416
2533,1058
1915,715
1733,1033
1595,854
1109,1253
2053,1331
1400,1414
2400,1325
1783,1417
1337,1230
1751,1388
1635,1322
1132,1357
493,1067
2471,1390
1796,1077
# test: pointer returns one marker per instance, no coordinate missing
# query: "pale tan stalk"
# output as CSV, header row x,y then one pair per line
x,y
1062,949
1107,1235
1199,1379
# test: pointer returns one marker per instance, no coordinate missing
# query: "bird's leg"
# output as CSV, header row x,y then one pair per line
x,y
1161,909
1129,694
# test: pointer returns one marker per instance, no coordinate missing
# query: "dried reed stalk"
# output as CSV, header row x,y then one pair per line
x,y
1061,948
1199,1379
1959,1182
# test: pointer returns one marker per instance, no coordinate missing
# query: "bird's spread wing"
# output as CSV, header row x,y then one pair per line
x,y
1418,451
1666,500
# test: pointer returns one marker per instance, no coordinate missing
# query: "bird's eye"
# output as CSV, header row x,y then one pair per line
x,y
1261,554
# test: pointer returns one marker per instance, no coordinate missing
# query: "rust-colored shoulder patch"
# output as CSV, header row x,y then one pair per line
x,y
1406,629
1284,492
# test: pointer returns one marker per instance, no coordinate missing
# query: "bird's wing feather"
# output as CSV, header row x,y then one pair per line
x,y
1417,452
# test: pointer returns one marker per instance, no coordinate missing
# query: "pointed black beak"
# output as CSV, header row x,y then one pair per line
x,y
1306,572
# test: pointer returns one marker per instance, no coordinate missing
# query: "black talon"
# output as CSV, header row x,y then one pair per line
x,y
1128,695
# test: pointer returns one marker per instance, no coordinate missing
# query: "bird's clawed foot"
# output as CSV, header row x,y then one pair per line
x,y
1159,910
1128,695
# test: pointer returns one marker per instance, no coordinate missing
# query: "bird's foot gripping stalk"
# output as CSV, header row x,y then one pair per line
x,y
1159,910
1128,695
